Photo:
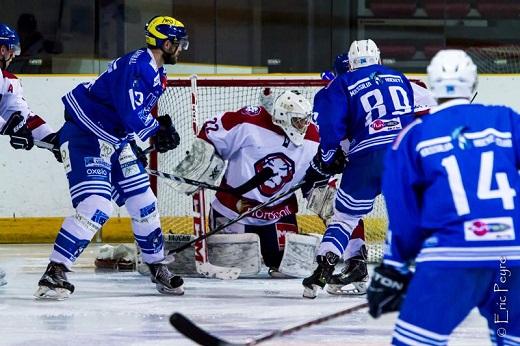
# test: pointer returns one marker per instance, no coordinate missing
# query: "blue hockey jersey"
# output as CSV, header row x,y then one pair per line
x,y
364,106
118,103
451,186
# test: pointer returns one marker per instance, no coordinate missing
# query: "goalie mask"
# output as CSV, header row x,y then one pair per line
x,y
452,74
363,53
163,28
292,112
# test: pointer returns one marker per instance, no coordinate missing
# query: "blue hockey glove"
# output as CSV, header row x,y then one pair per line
x,y
387,290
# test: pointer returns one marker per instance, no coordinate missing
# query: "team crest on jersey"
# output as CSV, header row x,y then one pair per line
x,y
383,125
283,168
251,110
497,228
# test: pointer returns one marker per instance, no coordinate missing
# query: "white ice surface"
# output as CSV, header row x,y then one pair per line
x,y
125,309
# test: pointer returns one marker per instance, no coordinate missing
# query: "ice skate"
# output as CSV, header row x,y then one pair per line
x,y
3,281
321,275
353,278
276,274
165,281
54,284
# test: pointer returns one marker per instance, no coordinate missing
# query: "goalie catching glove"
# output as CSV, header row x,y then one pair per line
x,y
201,163
387,290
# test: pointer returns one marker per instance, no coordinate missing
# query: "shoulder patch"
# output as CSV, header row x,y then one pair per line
x,y
8,75
251,110
259,118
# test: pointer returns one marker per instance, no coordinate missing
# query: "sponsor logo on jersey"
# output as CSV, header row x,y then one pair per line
x,y
489,229
251,110
98,172
105,150
283,168
100,217
385,125
130,169
96,162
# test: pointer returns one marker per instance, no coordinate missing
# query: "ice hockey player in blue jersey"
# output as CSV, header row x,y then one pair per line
x,y
341,65
367,107
451,186
103,162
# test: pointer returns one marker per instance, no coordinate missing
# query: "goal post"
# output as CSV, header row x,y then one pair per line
x,y
215,95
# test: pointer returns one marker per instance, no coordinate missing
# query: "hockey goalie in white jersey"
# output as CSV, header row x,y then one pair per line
x,y
252,140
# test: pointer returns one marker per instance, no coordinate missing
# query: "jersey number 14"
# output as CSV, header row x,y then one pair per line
x,y
484,190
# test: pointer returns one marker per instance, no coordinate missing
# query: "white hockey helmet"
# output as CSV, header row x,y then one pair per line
x,y
452,74
363,53
292,112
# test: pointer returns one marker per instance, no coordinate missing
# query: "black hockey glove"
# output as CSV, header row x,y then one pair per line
x,y
166,137
313,179
54,139
387,290
335,166
16,128
139,153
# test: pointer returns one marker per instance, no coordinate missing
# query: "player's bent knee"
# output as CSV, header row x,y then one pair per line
x,y
143,208
93,212
348,221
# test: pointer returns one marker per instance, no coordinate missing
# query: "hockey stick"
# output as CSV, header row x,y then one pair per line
x,y
252,183
257,180
43,145
238,218
202,337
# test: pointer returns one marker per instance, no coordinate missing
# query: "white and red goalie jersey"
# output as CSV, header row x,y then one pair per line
x,y
250,142
11,101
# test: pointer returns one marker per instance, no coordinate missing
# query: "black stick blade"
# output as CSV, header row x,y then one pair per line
x,y
195,333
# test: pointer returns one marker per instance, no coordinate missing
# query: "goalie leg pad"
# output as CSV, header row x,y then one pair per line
x,y
227,250
299,256
236,250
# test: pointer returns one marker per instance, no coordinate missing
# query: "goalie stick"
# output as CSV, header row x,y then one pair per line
x,y
193,332
257,180
238,218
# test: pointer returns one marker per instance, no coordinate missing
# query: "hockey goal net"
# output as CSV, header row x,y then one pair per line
x,y
498,59
192,101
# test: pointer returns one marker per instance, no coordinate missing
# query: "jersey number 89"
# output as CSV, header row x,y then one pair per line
x,y
374,101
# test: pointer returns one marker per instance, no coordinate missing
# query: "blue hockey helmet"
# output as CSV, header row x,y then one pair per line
x,y
161,28
9,38
341,64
